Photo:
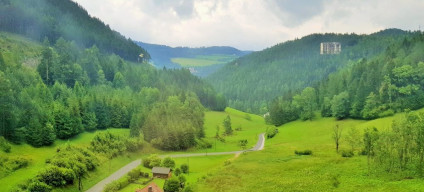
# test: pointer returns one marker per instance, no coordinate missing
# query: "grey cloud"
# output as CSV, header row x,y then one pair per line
x,y
294,12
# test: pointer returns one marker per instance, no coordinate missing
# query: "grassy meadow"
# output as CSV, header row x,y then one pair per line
x,y
277,168
37,156
203,60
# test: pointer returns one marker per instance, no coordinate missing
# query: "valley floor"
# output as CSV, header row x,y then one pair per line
x,y
277,168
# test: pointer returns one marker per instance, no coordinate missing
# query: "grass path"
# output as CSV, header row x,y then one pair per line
x,y
127,168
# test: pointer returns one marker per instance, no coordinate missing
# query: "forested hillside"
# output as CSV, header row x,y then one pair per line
x,y
369,88
66,91
252,81
64,18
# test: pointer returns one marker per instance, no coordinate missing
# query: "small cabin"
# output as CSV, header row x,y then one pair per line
x,y
151,187
161,172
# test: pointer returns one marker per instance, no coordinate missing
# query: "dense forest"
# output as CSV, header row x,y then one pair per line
x,y
367,89
250,82
75,90
64,18
76,75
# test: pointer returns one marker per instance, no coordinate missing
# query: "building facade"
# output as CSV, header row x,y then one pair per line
x,y
329,48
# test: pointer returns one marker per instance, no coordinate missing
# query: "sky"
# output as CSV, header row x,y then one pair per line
x,y
250,24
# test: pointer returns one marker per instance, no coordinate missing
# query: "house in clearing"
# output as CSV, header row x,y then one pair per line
x,y
151,187
161,172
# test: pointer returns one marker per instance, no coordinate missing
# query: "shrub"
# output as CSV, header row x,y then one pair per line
x,y
305,152
56,176
4,145
177,171
203,144
386,113
168,162
184,168
38,186
133,144
348,153
112,187
152,161
270,133
134,174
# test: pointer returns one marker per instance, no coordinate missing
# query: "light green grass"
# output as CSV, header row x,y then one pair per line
x,y
203,60
38,157
17,50
277,168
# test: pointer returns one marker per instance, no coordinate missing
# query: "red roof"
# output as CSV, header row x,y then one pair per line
x,y
154,187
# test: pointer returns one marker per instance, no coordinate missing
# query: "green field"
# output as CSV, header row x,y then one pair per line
x,y
277,168
203,60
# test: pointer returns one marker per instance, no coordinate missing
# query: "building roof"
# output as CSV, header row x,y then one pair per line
x,y
161,170
155,188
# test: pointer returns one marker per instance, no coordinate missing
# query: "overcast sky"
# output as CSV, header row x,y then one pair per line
x,y
250,24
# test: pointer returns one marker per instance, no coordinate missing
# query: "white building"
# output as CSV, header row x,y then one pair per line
x,y
330,48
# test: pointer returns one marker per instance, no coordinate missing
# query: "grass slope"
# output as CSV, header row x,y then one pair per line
x,y
203,60
277,168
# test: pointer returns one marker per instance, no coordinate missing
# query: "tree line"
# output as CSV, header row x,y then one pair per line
x,y
370,88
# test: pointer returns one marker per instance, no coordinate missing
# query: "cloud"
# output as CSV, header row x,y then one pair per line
x,y
252,24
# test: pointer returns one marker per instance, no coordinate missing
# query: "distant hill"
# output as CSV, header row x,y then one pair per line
x,y
64,18
201,61
251,81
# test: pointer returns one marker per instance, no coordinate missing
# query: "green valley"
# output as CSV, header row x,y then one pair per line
x,y
86,105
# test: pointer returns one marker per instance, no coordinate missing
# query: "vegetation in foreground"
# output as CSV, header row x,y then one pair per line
x,y
280,167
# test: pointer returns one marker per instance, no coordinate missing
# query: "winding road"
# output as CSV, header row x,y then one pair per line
x,y
127,168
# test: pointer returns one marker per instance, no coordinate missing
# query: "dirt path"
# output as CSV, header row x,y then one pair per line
x,y
127,168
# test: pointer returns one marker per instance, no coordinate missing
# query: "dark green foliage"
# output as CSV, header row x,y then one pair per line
x,y
304,152
252,81
340,105
184,168
243,143
347,153
11,164
152,161
53,19
271,132
7,113
108,144
37,186
56,176
168,162
177,171
174,124
4,145
227,125
172,185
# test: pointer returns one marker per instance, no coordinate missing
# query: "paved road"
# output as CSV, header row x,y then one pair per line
x,y
127,168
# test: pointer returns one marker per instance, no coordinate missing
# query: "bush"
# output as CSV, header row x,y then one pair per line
x,y
177,171
305,152
134,174
347,153
386,113
203,144
184,168
112,187
168,162
270,133
56,176
38,186
4,145
152,161
133,144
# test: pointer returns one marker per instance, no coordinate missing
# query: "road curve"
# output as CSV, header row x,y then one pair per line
x,y
127,168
